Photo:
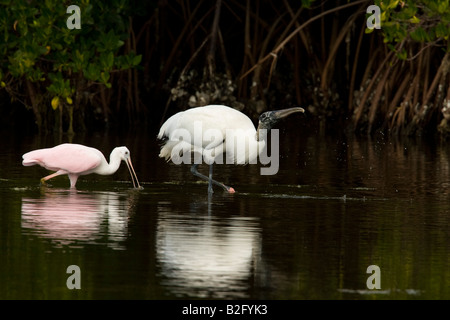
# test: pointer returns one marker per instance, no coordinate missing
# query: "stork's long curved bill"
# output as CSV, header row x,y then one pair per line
x,y
133,174
285,112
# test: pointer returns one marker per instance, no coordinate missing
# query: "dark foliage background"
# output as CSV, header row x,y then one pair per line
x,y
134,63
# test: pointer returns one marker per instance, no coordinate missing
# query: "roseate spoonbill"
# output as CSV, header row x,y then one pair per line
x,y
221,126
76,160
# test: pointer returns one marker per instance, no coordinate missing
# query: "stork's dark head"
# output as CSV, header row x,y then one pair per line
x,y
268,119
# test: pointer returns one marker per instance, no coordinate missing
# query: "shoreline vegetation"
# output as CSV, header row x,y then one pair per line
x,y
135,63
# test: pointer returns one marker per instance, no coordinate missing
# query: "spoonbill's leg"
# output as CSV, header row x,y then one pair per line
x,y
57,173
73,180
210,179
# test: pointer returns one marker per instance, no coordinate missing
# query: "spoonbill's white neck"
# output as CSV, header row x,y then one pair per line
x,y
109,168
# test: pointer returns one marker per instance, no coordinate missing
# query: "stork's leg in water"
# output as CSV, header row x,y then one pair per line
x,y
210,180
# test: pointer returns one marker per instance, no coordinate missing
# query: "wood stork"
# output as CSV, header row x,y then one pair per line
x,y
212,131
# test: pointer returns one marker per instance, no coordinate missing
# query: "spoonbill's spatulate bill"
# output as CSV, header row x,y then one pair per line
x,y
231,123
76,160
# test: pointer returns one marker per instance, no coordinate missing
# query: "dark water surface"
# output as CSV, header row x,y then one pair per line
x,y
337,206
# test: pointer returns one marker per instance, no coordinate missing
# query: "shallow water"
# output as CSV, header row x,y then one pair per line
x,y
337,206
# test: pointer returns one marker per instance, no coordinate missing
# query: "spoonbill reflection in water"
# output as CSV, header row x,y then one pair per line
x,y
76,160
223,126
71,217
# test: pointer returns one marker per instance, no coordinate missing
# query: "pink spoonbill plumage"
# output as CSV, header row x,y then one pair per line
x,y
76,160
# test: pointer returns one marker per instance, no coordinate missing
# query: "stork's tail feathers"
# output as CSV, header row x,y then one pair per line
x,y
166,150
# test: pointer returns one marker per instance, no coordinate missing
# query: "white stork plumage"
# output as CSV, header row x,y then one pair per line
x,y
208,130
